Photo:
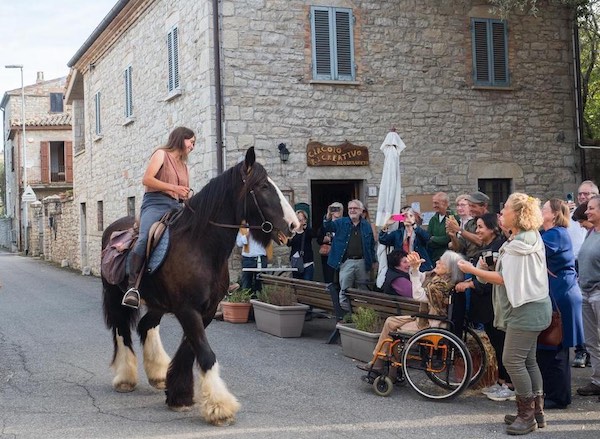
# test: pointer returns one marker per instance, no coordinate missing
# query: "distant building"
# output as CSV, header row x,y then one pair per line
x,y
481,103
49,154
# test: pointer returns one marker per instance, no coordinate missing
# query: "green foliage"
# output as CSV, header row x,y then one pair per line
x,y
241,295
589,47
505,7
366,319
280,296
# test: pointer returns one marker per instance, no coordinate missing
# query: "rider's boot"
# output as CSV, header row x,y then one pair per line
x,y
132,296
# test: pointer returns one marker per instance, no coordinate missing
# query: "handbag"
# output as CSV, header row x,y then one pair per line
x,y
553,334
324,249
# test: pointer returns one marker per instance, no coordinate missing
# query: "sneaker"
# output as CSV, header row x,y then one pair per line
x,y
580,359
504,394
491,389
589,390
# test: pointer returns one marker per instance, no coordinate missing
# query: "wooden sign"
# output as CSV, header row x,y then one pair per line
x,y
345,154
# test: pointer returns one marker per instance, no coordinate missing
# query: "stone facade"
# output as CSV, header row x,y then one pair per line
x,y
41,127
413,72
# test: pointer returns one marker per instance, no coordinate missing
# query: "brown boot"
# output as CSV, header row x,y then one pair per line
x,y
132,296
540,416
525,421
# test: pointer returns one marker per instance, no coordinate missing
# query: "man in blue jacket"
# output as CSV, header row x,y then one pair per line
x,y
352,249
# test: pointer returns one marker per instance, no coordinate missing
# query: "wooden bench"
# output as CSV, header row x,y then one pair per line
x,y
384,304
315,294
308,292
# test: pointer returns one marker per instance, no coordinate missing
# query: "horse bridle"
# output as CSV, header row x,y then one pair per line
x,y
265,227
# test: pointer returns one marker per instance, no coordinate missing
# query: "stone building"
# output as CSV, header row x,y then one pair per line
x,y
480,103
49,154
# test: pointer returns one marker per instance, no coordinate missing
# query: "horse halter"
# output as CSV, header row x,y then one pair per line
x,y
265,227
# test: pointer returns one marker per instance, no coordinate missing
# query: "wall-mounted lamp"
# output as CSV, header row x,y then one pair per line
x,y
284,153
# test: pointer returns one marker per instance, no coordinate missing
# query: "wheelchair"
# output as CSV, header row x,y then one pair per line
x,y
435,362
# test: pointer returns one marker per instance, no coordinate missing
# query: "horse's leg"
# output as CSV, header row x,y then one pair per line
x,y
180,378
120,320
217,405
156,360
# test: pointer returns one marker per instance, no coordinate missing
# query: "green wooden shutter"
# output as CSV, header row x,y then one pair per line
x,y
490,52
321,43
332,43
173,59
499,51
344,44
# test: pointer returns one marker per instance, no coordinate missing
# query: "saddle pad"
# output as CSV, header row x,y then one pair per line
x,y
159,253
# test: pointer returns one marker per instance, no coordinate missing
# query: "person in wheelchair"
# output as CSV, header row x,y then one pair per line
x,y
432,289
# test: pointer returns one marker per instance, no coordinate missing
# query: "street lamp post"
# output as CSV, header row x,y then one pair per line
x,y
20,67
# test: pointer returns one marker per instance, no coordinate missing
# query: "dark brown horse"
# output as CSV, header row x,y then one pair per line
x,y
190,284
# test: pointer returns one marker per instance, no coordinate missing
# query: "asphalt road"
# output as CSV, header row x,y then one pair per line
x,y
55,380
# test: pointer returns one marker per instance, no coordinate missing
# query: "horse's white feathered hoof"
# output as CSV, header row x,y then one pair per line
x,y
218,406
124,387
220,413
160,384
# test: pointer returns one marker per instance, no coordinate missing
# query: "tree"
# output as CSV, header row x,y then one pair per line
x,y
505,7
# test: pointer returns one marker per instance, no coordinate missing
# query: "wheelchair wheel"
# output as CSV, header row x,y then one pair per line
x,y
477,351
429,361
383,385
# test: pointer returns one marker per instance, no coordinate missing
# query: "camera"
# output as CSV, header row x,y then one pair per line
x,y
334,209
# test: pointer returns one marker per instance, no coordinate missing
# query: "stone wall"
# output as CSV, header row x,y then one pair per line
x,y
414,69
60,231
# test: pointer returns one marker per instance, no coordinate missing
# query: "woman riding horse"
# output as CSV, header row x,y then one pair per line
x,y
190,283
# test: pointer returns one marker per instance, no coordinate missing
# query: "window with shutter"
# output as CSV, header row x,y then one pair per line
x,y
97,107
128,93
490,52
332,43
173,59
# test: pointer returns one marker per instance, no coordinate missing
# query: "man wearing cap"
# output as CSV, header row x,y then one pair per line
x,y
466,240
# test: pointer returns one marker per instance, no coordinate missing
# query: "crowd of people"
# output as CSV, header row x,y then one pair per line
x,y
516,267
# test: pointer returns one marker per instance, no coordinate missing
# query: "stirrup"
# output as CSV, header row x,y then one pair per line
x,y
131,298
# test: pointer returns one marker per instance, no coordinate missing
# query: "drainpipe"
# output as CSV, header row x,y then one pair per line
x,y
578,100
218,93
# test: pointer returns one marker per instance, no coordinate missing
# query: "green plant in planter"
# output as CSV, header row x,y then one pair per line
x,y
241,295
366,319
280,296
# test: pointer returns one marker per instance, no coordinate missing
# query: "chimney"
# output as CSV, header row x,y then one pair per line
x,y
40,77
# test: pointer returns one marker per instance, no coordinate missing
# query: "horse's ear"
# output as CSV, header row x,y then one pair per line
x,y
250,158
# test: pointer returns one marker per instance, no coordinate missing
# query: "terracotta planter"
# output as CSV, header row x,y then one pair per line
x,y
281,321
357,344
236,312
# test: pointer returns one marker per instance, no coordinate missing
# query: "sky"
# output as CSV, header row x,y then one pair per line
x,y
43,35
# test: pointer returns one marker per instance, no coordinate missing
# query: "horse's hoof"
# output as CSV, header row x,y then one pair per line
x,y
220,413
158,383
181,408
125,387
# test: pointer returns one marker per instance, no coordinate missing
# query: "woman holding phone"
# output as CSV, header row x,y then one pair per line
x,y
409,236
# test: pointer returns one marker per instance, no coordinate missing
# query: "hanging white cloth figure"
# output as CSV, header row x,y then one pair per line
x,y
390,191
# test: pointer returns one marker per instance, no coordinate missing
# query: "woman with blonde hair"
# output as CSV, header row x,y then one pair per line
x,y
522,306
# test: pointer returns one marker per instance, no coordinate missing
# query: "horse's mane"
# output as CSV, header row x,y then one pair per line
x,y
223,195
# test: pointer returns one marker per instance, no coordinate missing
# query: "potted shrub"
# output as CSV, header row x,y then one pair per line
x,y
236,308
359,338
277,312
